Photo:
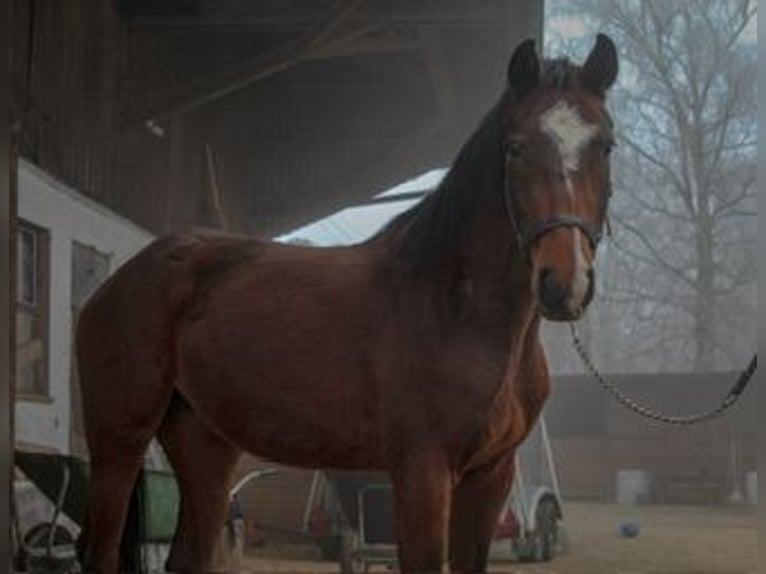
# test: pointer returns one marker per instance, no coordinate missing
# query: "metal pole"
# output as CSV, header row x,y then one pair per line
x,y
311,499
549,458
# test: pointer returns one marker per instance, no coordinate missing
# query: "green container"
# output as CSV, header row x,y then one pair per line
x,y
158,491
160,503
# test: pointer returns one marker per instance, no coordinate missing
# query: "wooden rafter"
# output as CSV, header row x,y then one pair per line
x,y
254,69
216,194
456,14
369,41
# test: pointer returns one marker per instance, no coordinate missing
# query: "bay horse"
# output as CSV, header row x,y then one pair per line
x,y
415,352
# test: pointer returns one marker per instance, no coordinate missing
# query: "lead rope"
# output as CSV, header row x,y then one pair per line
x,y
679,420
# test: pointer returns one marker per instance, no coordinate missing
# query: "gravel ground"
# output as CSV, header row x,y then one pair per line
x,y
673,540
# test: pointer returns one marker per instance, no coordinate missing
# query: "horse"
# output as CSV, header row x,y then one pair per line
x,y
415,352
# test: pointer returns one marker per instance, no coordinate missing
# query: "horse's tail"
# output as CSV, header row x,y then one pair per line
x,y
133,534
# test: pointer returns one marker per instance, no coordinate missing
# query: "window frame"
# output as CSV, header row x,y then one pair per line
x,y
39,307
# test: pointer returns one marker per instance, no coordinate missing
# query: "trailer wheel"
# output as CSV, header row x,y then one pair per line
x,y
36,558
37,536
542,542
546,537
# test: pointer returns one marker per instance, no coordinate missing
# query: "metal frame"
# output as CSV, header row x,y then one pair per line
x,y
369,552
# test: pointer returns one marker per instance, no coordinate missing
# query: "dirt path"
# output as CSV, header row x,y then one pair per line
x,y
673,540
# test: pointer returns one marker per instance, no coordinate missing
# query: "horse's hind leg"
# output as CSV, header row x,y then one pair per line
x,y
204,464
111,484
117,439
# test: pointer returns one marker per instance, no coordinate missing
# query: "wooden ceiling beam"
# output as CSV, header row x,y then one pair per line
x,y
252,70
222,25
459,13
377,42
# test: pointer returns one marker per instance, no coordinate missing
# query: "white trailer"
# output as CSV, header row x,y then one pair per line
x,y
351,514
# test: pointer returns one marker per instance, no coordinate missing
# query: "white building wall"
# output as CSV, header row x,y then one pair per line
x,y
68,217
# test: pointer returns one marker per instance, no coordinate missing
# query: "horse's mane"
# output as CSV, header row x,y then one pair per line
x,y
431,229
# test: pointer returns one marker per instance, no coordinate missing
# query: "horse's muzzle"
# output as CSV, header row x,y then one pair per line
x,y
558,302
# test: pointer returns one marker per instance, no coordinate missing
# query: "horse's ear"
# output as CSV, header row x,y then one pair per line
x,y
524,68
600,69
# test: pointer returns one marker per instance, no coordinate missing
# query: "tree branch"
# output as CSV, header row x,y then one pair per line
x,y
655,254
665,168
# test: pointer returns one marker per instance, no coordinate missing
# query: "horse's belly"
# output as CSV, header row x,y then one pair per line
x,y
313,447
303,405
293,430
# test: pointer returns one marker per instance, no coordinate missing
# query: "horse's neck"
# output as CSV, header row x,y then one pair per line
x,y
489,260
462,236
475,268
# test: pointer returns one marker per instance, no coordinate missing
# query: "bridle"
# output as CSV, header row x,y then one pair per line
x,y
529,232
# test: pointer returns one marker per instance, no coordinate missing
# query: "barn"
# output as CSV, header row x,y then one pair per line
x,y
134,118
257,117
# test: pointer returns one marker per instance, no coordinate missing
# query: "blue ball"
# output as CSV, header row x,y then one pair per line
x,y
629,529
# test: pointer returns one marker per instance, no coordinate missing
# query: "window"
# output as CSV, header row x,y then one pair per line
x,y
90,268
32,311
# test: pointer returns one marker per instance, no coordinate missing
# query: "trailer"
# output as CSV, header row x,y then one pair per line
x,y
49,545
351,514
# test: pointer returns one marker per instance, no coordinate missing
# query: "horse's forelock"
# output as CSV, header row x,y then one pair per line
x,y
560,74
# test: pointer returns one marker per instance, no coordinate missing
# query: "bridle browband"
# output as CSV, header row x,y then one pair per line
x,y
527,234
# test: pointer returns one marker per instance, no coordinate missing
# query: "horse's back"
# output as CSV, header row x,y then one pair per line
x,y
164,274
225,320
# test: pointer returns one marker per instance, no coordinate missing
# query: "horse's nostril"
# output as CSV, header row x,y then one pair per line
x,y
553,295
549,283
546,277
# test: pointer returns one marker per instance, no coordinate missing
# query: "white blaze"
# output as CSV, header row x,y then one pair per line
x,y
580,285
566,127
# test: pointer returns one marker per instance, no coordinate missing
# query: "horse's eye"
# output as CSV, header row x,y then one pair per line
x,y
515,148
608,147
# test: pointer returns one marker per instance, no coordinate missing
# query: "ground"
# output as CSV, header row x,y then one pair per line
x,y
673,540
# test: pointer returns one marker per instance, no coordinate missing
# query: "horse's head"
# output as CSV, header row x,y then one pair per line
x,y
557,139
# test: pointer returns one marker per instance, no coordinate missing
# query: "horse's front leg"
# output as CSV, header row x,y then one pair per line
x,y
477,502
422,489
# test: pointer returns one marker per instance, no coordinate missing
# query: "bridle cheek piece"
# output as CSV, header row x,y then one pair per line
x,y
527,234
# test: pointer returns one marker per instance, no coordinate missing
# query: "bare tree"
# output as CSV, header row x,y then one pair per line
x,y
682,288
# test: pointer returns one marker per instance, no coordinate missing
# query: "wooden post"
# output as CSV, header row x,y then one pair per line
x,y
12,272
216,198
24,14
